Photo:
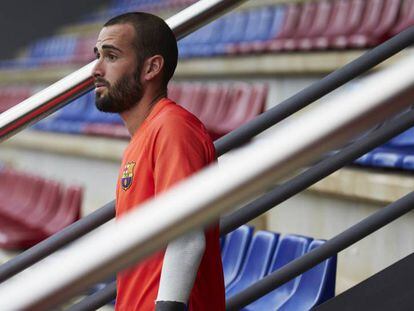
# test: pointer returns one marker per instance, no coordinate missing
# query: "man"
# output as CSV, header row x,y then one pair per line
x,y
136,57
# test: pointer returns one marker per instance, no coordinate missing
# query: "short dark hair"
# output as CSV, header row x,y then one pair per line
x,y
153,37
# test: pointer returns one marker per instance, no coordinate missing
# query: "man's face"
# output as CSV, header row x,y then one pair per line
x,y
116,74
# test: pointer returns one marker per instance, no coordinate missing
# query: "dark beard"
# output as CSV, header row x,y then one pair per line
x,y
122,96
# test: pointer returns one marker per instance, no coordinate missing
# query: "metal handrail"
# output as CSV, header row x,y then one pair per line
x,y
76,84
281,193
204,196
330,248
281,111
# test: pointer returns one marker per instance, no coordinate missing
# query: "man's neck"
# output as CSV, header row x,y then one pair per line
x,y
134,117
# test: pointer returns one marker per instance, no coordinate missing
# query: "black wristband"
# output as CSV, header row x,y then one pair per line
x,y
170,306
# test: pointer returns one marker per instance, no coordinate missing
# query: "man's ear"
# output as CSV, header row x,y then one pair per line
x,y
153,67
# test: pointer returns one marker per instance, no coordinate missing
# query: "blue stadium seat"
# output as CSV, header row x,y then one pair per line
x,y
364,160
234,30
234,252
315,286
289,248
257,261
387,157
408,162
405,139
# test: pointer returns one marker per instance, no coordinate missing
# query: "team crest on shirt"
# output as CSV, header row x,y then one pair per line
x,y
127,175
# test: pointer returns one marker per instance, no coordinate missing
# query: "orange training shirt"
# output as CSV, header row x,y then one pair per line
x,y
170,145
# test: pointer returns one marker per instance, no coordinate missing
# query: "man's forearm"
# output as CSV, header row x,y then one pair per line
x,y
181,261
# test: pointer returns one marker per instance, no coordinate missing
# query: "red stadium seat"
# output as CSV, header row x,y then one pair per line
x,y
291,21
67,212
34,209
319,25
354,20
379,18
337,22
246,102
406,17
216,104
307,18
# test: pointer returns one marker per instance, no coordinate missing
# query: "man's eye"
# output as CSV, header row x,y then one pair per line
x,y
111,57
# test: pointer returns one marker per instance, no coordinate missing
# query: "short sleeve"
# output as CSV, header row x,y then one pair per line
x,y
179,151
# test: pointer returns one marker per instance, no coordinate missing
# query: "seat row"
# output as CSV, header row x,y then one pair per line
x,y
313,25
221,107
33,208
398,153
249,257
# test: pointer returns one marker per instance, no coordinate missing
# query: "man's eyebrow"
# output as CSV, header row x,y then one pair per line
x,y
110,47
107,47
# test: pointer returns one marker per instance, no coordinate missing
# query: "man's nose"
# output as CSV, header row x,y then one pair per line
x,y
97,70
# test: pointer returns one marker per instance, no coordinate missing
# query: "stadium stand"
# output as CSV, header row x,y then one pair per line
x,y
223,107
33,208
312,25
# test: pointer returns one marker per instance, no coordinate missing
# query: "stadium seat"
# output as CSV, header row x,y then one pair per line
x,y
246,102
319,25
257,29
337,22
406,17
257,261
306,20
217,100
234,252
354,20
387,158
408,162
315,286
404,140
364,160
290,23
378,20
32,208
276,26
67,212
289,248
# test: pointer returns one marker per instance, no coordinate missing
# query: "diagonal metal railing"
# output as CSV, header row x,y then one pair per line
x,y
232,140
203,197
281,193
76,84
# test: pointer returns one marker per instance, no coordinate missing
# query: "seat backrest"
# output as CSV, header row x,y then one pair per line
x,y
257,261
338,18
405,18
321,19
234,252
289,248
315,286
258,23
276,25
355,15
290,21
235,25
306,19
372,16
388,17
